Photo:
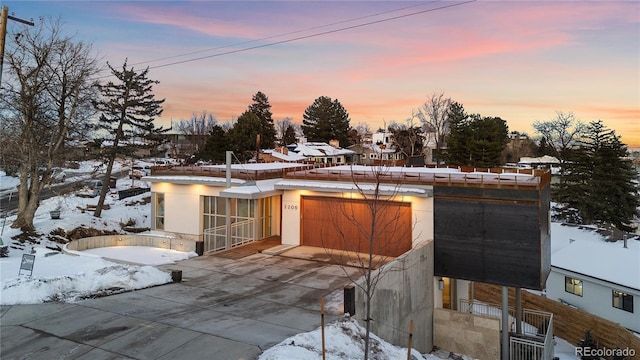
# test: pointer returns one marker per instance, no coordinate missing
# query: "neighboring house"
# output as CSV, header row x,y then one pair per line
x,y
543,162
321,152
597,276
372,154
281,154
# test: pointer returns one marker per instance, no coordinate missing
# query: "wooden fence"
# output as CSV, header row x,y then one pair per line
x,y
569,324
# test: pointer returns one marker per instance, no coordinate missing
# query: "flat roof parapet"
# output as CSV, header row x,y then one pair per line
x,y
465,176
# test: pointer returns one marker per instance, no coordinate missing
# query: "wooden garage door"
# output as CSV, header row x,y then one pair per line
x,y
344,224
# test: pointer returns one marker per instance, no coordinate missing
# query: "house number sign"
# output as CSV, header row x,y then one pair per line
x,y
293,207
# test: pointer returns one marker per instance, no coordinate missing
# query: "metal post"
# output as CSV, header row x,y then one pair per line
x,y
227,201
518,311
505,324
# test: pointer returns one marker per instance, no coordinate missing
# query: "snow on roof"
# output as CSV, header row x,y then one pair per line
x,y
261,189
539,160
321,149
291,156
333,186
586,252
259,166
185,179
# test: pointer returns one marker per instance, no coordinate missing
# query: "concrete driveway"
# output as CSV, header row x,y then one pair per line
x,y
223,309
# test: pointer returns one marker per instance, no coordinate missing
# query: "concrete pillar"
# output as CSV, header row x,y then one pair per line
x,y
505,324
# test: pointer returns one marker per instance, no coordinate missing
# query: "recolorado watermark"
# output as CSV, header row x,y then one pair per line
x,y
601,352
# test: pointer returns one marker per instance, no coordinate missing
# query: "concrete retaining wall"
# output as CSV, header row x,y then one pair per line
x,y
132,240
403,293
473,335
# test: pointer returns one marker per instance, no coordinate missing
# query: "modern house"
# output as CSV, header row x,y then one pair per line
x,y
329,207
597,276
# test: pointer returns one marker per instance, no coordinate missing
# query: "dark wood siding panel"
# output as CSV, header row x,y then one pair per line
x,y
345,224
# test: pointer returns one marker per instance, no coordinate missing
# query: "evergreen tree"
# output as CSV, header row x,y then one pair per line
x,y
243,135
128,109
598,184
325,120
588,342
474,140
289,136
490,136
458,152
216,147
262,109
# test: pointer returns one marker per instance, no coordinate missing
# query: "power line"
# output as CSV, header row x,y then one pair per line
x,y
301,37
311,35
284,34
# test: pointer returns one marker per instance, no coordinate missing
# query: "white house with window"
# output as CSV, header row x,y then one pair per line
x,y
321,152
600,277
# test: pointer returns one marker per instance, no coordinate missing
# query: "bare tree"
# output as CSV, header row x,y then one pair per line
x,y
561,133
197,129
360,133
434,115
407,138
46,99
372,228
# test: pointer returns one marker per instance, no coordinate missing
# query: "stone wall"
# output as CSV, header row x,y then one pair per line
x,y
463,333
403,293
132,240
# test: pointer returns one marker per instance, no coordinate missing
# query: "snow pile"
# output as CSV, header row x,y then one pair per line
x,y
343,340
68,278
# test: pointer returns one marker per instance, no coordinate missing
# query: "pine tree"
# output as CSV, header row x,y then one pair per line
x,y
262,109
289,136
243,135
598,184
128,109
326,120
459,136
587,342
216,147
474,140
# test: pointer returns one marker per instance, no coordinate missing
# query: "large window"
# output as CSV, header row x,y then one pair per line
x,y
242,214
214,223
159,211
573,286
622,301
266,215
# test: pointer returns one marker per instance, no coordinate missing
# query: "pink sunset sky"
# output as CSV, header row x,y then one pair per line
x,y
519,60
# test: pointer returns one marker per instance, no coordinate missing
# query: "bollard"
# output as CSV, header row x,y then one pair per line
x,y
176,275
350,300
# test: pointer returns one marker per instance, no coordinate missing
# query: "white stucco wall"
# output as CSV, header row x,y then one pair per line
x,y
596,298
182,206
422,209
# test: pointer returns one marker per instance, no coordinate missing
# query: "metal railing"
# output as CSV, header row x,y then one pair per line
x,y
535,341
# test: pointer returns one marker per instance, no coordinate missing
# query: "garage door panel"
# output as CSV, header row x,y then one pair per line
x,y
345,224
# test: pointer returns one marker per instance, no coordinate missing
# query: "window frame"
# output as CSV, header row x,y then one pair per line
x,y
624,305
571,284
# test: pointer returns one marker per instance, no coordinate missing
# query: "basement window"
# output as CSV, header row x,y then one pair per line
x,y
622,301
573,286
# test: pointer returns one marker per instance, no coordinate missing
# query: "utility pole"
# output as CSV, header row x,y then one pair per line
x,y
4,16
